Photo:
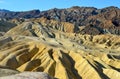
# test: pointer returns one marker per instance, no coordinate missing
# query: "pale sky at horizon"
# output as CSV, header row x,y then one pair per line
x,y
24,5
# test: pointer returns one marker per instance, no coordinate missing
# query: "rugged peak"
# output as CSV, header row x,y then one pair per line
x,y
75,7
78,7
81,9
111,7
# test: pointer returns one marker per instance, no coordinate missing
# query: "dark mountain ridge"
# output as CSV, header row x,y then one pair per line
x,y
73,10
4,10
22,14
91,20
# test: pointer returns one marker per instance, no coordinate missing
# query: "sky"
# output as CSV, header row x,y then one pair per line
x,y
25,5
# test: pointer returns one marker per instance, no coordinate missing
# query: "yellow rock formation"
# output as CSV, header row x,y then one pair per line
x,y
62,54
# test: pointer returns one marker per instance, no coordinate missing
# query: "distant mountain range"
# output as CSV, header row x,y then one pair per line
x,y
4,10
90,19
26,14
57,14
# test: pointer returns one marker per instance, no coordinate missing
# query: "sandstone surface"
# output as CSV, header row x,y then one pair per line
x,y
34,46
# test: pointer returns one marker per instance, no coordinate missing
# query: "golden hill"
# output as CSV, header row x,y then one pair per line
x,y
53,47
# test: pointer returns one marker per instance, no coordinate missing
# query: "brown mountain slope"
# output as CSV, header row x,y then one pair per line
x,y
92,20
6,25
96,21
37,46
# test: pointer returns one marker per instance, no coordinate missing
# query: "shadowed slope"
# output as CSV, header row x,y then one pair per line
x,y
61,54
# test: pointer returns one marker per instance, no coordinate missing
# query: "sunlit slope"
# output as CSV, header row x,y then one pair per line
x,y
34,46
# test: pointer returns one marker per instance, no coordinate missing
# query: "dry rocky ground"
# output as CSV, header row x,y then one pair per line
x,y
47,46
